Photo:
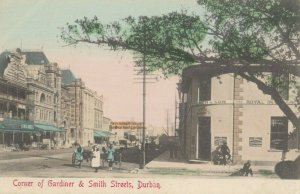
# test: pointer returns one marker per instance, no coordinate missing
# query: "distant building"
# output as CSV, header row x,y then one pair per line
x,y
86,109
106,123
124,129
230,109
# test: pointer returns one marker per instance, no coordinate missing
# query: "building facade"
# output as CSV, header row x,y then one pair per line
x,y
31,111
42,104
226,108
85,109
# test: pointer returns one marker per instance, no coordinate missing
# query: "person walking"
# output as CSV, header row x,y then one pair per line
x,y
171,148
110,156
79,155
95,163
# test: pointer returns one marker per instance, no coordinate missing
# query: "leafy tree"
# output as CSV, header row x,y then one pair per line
x,y
232,37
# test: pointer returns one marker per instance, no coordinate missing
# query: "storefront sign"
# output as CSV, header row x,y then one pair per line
x,y
126,125
246,102
255,141
220,140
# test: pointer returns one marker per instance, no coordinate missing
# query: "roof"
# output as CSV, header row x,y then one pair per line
x,y
35,58
67,76
4,60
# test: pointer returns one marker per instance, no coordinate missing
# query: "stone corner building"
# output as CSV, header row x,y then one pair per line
x,y
214,109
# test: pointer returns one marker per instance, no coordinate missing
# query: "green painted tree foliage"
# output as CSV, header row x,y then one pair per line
x,y
230,35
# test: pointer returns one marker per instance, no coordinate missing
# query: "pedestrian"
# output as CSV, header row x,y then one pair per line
x,y
95,163
171,148
110,156
79,155
225,152
246,169
175,149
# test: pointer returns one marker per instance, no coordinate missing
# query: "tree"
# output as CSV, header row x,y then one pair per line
x,y
231,37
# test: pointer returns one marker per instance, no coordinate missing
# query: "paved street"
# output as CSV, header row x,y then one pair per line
x,y
57,163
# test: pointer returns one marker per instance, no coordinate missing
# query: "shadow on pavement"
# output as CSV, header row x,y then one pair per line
x,y
68,165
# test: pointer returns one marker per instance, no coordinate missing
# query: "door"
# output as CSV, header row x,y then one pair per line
x,y
204,138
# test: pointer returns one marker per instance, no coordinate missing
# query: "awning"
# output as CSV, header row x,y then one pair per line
x,y
17,126
46,127
100,133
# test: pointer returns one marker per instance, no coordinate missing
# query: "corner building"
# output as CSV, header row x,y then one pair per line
x,y
224,107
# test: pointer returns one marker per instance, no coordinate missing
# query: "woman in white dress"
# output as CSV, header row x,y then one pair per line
x,y
95,163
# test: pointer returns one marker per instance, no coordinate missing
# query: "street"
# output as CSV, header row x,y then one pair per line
x,y
57,163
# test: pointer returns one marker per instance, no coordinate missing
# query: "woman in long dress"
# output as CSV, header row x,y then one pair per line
x,y
95,163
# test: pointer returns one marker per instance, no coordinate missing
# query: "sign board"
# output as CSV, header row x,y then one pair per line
x,y
220,140
255,141
126,125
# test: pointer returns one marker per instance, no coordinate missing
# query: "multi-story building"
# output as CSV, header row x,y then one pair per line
x,y
36,88
39,103
86,109
106,123
217,108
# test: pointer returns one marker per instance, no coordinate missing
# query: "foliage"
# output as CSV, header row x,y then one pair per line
x,y
232,34
167,42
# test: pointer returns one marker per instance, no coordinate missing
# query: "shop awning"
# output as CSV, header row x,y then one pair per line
x,y
46,127
17,126
101,133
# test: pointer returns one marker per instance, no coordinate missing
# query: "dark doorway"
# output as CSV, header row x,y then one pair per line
x,y
204,138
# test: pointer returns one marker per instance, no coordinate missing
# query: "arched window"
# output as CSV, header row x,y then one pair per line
x,y
43,98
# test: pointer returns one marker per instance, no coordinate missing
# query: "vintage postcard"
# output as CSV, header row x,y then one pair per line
x,y
149,96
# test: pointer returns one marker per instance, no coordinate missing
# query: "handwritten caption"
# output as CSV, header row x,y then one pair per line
x,y
88,183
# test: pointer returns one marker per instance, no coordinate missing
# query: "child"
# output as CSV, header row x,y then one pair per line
x,y
110,156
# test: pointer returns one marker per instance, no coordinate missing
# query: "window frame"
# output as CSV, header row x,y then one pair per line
x,y
277,131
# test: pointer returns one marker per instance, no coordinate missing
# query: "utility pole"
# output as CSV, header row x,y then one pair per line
x,y
144,112
144,72
168,122
175,116
75,110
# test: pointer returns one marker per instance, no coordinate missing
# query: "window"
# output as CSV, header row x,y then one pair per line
x,y
281,82
204,90
72,133
43,98
279,133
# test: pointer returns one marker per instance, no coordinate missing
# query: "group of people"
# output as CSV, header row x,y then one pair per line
x,y
96,156
225,156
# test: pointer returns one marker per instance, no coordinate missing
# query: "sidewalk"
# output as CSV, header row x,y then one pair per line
x,y
163,165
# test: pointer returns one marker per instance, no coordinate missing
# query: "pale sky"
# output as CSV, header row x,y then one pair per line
x,y
33,24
